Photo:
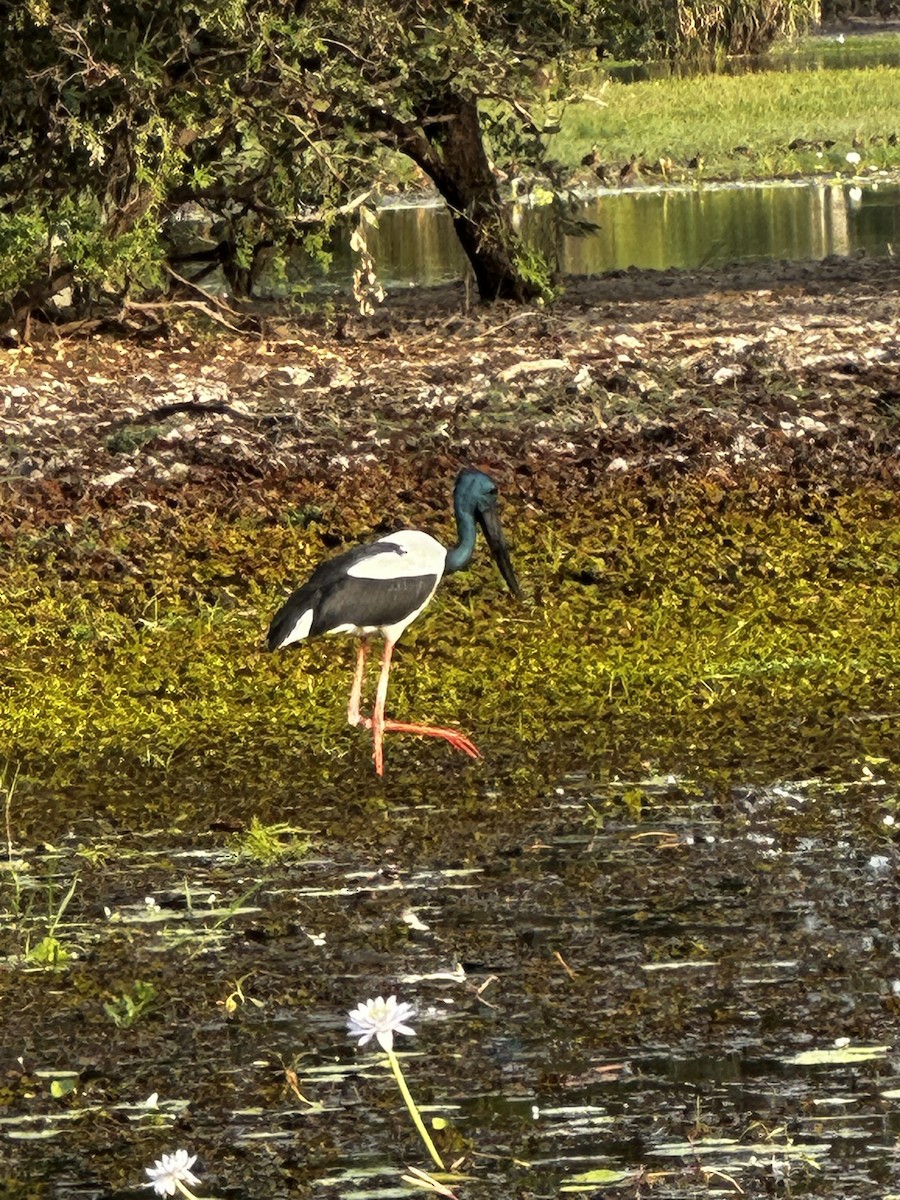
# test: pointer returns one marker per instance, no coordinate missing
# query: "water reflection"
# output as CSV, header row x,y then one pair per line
x,y
827,52
660,228
712,226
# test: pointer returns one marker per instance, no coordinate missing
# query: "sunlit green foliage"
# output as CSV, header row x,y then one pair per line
x,y
742,126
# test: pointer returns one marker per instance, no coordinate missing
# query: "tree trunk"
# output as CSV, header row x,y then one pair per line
x,y
448,146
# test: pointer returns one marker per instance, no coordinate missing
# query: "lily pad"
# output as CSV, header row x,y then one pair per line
x,y
837,1054
589,1180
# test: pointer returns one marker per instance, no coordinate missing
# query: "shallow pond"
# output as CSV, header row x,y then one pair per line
x,y
657,228
689,981
616,982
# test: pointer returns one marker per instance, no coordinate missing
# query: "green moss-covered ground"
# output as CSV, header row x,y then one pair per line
x,y
674,626
701,492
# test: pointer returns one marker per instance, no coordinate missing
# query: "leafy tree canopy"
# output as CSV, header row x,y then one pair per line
x,y
270,115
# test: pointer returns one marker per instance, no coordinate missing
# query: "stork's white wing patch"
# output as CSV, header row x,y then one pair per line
x,y
408,554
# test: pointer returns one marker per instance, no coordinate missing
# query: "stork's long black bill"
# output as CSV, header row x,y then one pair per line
x,y
489,521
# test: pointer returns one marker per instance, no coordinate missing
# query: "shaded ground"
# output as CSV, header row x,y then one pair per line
x,y
785,371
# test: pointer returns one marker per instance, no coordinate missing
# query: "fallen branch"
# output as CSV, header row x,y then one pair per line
x,y
197,305
533,367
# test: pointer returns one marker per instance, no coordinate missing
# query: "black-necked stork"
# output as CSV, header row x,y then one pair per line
x,y
380,587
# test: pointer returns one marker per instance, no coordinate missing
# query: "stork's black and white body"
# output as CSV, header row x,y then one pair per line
x,y
377,588
380,588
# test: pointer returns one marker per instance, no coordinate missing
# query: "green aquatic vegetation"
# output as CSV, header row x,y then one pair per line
x,y
48,952
237,997
270,843
64,1085
33,910
589,1181
124,1010
8,779
682,628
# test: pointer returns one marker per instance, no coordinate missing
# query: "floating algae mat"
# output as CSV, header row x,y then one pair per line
x,y
670,628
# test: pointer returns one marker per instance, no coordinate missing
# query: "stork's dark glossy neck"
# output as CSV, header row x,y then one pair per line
x,y
460,555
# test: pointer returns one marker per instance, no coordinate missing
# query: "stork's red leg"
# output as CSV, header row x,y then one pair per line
x,y
378,714
379,725
353,715
457,740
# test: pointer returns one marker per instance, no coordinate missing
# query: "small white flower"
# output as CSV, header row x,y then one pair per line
x,y
780,1170
853,158
380,1019
169,1173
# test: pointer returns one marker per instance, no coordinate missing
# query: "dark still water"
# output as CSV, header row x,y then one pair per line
x,y
611,983
659,228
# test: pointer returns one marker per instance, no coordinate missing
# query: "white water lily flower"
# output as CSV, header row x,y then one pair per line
x,y
170,1173
380,1019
